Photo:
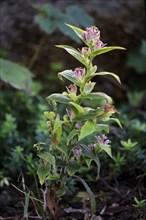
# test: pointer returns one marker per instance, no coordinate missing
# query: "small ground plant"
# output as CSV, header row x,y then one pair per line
x,y
70,146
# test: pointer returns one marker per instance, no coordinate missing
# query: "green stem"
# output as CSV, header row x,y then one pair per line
x,y
37,52
36,183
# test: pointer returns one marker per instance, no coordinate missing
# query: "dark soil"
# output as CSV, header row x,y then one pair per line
x,y
114,201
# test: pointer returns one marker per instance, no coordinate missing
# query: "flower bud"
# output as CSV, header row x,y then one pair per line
x,y
72,88
78,73
77,152
103,140
91,34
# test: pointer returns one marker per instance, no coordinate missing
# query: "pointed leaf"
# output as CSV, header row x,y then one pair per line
x,y
57,97
54,177
117,121
101,127
50,115
16,75
97,96
89,114
77,30
78,107
88,153
105,50
62,191
107,150
57,124
68,74
72,167
88,162
63,149
106,73
75,53
88,87
42,172
48,158
71,135
88,128
90,193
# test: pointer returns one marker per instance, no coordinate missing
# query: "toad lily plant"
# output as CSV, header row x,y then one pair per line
x,y
77,136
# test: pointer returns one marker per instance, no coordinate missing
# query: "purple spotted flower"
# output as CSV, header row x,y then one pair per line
x,y
78,73
103,140
91,146
72,88
99,44
77,151
91,34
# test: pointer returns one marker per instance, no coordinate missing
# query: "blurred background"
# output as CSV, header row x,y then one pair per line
x,y
30,63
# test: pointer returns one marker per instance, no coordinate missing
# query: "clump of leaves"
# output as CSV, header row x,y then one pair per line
x,y
16,75
51,18
68,151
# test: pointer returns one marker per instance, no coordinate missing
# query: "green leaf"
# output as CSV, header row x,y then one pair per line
x,y
107,150
54,177
116,120
58,133
63,149
105,50
88,87
77,30
101,127
88,162
42,172
65,30
48,158
78,107
46,24
57,124
88,128
90,193
88,153
57,97
97,96
106,73
49,115
89,114
16,75
71,135
62,191
80,15
75,53
68,74
48,17
72,167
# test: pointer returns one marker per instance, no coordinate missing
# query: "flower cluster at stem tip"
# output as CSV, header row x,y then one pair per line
x,y
92,36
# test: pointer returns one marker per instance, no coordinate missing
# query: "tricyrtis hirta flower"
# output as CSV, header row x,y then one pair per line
x,y
91,146
91,34
72,88
92,37
77,152
103,141
78,73
99,44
